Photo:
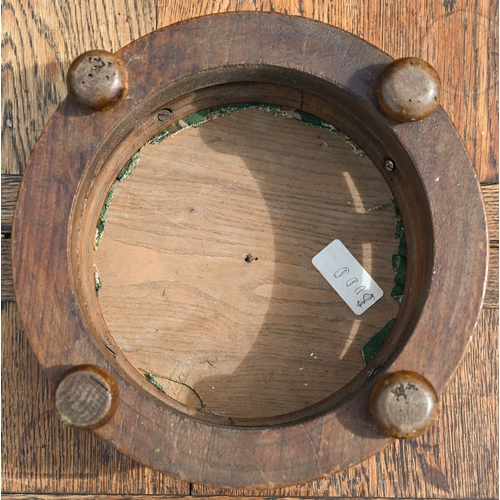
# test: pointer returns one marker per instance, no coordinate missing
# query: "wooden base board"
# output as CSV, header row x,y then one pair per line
x,y
206,271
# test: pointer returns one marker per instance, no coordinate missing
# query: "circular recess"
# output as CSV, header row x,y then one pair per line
x,y
205,253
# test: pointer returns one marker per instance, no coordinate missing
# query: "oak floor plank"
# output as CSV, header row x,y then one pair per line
x,y
159,497
491,295
39,41
490,198
163,497
39,453
7,284
10,188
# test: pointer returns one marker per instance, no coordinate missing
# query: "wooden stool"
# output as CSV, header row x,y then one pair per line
x,y
293,63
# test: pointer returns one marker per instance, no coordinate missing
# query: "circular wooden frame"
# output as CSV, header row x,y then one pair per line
x,y
263,58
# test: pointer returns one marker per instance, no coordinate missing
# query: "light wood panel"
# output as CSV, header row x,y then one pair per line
x,y
206,271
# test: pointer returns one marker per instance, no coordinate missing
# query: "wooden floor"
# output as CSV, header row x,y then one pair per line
x,y
457,458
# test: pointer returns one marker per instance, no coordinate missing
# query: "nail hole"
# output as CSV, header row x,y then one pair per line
x,y
250,258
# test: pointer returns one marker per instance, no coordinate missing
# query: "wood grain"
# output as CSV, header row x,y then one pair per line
x,y
420,468
491,295
39,42
490,300
7,283
163,497
156,497
490,197
53,458
10,188
226,455
39,453
208,247
460,31
429,31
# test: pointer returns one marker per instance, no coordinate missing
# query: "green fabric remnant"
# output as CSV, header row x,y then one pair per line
x,y
400,258
124,173
399,264
129,167
152,380
299,116
97,280
375,343
354,146
199,118
102,221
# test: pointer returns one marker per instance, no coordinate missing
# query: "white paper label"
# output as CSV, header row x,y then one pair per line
x,y
348,277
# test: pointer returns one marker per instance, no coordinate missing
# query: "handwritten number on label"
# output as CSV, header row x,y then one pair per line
x,y
351,281
340,272
366,297
348,277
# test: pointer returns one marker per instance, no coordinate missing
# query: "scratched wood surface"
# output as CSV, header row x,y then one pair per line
x,y
458,37
457,458
208,247
40,455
